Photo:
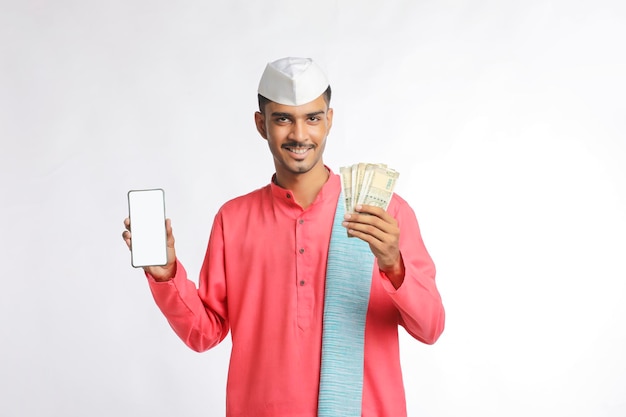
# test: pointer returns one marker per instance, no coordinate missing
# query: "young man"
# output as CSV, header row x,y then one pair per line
x,y
268,275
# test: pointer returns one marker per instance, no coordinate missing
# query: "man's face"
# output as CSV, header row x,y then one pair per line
x,y
296,134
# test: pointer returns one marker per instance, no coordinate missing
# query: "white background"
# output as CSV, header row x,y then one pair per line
x,y
505,119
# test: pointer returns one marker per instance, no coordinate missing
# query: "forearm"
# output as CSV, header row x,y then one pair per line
x,y
419,304
178,300
416,298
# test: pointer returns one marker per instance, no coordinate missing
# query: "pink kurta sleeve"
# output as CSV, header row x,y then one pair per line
x,y
418,301
201,322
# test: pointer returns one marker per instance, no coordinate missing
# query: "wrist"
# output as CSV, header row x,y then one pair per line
x,y
395,273
162,273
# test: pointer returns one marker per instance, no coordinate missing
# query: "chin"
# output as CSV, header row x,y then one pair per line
x,y
301,170
299,167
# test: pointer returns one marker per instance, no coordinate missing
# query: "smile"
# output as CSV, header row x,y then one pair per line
x,y
298,150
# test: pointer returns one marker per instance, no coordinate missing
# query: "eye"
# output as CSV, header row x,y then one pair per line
x,y
282,120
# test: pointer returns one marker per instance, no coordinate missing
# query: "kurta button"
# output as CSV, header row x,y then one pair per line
x,y
288,195
301,221
301,250
302,283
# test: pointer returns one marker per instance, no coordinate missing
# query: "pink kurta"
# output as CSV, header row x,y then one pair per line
x,y
263,279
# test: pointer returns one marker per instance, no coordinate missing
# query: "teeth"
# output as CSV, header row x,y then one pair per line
x,y
298,150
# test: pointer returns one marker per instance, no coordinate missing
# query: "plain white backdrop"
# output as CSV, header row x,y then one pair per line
x,y
506,121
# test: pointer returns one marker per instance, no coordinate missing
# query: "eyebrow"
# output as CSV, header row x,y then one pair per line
x,y
289,115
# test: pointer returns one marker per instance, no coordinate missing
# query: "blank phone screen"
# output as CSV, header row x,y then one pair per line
x,y
146,210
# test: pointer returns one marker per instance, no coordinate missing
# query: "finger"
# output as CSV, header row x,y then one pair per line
x,y
367,232
127,223
386,225
383,245
169,233
372,240
364,224
127,237
373,210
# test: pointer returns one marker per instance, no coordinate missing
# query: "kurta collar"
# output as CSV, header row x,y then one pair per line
x,y
330,190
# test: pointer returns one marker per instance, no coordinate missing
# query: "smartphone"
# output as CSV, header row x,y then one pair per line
x,y
146,210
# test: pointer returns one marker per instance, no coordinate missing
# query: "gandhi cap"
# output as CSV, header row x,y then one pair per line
x,y
292,81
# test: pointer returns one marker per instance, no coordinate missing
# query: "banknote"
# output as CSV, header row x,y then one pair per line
x,y
367,183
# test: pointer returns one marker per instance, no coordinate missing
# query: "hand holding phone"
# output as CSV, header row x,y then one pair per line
x,y
146,211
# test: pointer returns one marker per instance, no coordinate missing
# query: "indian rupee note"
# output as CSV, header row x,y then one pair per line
x,y
346,186
379,186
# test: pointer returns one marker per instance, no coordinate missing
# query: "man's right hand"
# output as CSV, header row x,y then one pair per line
x,y
159,273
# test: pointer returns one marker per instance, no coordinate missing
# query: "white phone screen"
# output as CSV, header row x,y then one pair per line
x,y
146,210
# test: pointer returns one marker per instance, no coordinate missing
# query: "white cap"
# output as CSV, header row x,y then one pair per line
x,y
292,81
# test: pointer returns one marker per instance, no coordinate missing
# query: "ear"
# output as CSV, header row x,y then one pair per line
x,y
259,121
329,118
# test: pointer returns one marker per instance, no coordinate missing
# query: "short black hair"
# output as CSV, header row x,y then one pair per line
x,y
264,100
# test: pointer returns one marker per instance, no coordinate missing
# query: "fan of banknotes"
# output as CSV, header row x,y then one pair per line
x,y
370,184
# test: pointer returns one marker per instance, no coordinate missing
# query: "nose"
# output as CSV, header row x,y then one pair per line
x,y
298,131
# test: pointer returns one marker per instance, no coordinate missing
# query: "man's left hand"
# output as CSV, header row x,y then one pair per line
x,y
380,230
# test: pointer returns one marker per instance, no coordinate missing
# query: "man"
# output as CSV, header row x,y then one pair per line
x,y
265,272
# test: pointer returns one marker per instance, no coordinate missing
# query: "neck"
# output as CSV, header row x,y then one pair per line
x,y
305,186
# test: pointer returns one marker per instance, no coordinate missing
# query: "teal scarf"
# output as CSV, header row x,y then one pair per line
x,y
348,281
